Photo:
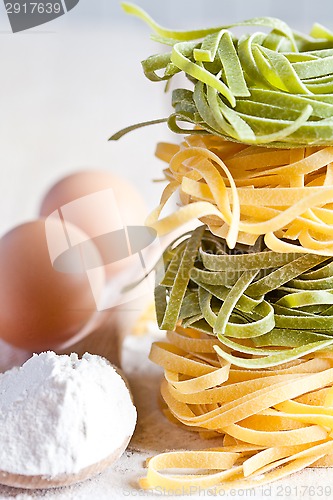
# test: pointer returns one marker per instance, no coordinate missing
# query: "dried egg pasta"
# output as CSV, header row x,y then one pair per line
x,y
247,299
273,89
241,192
269,416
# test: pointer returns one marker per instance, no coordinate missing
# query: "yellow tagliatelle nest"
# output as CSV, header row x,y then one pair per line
x,y
242,192
271,422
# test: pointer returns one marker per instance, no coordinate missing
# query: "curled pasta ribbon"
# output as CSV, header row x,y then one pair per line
x,y
201,164
272,89
260,308
271,423
242,192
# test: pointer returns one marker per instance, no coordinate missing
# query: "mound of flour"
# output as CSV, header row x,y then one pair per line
x,y
60,414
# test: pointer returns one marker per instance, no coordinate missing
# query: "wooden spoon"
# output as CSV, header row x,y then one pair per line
x,y
45,482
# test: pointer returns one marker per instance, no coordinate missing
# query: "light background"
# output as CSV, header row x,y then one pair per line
x,y
66,86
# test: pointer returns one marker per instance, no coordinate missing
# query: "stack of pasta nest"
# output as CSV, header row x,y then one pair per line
x,y
247,297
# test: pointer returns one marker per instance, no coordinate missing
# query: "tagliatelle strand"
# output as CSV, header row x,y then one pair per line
x,y
275,453
205,168
247,191
218,385
247,299
272,89
259,306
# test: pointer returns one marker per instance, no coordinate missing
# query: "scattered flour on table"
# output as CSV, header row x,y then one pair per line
x,y
60,414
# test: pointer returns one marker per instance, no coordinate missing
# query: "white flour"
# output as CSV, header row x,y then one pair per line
x,y
59,414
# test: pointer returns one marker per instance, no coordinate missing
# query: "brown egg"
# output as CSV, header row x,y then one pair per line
x,y
40,307
104,213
